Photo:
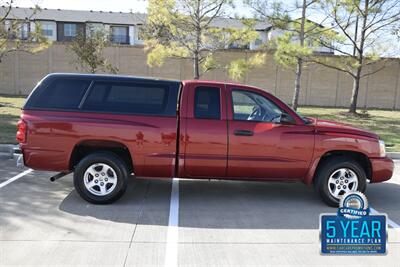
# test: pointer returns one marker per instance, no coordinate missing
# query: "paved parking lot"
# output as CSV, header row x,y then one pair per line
x,y
218,223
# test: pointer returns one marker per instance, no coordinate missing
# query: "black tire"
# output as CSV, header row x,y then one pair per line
x,y
327,168
101,157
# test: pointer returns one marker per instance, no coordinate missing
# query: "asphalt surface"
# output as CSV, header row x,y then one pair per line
x,y
217,223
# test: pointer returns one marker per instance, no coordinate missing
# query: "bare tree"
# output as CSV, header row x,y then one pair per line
x,y
360,26
89,51
295,47
17,34
185,29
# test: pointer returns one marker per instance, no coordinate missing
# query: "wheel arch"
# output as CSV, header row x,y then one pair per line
x,y
86,147
359,157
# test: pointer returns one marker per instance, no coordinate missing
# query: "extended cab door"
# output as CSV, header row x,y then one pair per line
x,y
204,127
259,145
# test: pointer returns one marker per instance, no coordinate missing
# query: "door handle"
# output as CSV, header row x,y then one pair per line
x,y
243,132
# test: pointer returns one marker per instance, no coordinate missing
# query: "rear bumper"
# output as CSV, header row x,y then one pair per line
x,y
382,169
45,159
18,156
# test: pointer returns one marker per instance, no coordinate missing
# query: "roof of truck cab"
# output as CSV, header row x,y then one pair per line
x,y
210,82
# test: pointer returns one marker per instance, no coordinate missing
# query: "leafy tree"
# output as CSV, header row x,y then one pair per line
x,y
186,29
14,34
300,37
89,50
361,27
238,68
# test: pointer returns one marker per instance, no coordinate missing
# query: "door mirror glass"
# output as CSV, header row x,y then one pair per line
x,y
286,119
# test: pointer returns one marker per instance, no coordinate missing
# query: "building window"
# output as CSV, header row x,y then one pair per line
x,y
93,28
141,33
69,30
258,42
237,45
24,31
119,35
47,30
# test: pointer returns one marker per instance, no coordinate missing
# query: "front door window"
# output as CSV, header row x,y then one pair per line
x,y
249,106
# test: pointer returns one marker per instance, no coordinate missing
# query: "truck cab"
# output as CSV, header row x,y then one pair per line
x,y
235,131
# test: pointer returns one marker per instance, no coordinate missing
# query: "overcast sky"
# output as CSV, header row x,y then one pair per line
x,y
103,5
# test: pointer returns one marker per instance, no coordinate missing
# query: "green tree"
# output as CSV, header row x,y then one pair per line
x,y
89,51
361,27
299,39
14,33
186,29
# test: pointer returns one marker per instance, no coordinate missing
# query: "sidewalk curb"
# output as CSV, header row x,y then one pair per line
x,y
7,148
393,155
7,155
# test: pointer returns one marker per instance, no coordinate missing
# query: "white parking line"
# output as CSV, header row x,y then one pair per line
x,y
16,177
171,251
389,221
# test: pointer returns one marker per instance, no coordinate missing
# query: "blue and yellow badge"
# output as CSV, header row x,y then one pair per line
x,y
353,230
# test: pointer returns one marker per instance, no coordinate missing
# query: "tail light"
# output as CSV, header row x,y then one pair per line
x,y
21,131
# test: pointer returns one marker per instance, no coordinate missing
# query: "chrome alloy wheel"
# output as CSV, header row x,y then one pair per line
x,y
341,181
100,179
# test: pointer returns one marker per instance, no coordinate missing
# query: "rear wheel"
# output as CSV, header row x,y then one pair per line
x,y
101,178
337,176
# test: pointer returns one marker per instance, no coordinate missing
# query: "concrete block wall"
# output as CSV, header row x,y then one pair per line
x,y
19,73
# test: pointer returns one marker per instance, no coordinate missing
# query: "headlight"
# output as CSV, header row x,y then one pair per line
x,y
382,149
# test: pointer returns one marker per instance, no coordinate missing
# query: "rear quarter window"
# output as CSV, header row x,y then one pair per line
x,y
61,93
207,103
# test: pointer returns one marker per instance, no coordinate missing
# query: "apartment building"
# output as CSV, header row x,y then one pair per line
x,y
63,25
124,28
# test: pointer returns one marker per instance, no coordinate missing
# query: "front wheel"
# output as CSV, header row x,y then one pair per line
x,y
337,176
101,178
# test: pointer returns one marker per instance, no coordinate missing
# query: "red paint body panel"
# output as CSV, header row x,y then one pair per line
x,y
206,148
52,136
382,169
331,136
274,151
206,142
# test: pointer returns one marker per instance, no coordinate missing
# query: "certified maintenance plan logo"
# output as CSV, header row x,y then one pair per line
x,y
353,230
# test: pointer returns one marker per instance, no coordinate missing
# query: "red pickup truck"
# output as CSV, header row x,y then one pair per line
x,y
108,128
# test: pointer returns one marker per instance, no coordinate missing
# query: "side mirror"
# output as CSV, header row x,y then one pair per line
x,y
286,119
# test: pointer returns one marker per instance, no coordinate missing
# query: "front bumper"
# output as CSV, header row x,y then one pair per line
x,y
382,169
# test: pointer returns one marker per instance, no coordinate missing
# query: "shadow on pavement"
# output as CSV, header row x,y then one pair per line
x,y
144,202
228,204
249,205
203,204
385,198
211,204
